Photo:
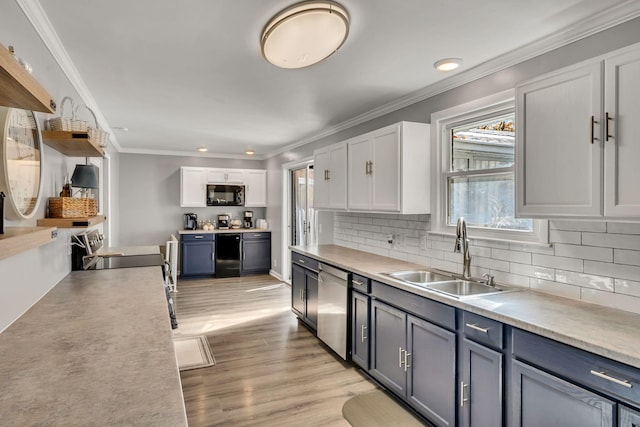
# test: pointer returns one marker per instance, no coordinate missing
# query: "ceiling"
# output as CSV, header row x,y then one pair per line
x,y
179,75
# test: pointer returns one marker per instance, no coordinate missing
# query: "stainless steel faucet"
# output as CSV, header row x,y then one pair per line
x,y
462,245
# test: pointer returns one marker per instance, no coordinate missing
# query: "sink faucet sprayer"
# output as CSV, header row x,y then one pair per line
x,y
462,245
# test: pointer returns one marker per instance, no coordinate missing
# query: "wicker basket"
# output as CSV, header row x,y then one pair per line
x,y
96,134
72,207
69,124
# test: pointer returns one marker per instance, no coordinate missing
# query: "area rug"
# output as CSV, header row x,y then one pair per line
x,y
376,409
193,352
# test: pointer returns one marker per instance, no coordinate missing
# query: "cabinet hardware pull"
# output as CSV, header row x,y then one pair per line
x,y
366,167
198,237
400,358
357,282
477,328
328,174
593,122
406,361
362,335
370,167
601,374
301,261
607,118
462,399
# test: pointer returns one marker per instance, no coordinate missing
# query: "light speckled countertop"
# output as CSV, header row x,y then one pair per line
x,y
601,330
96,350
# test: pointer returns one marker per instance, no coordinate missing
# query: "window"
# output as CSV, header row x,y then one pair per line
x,y
475,155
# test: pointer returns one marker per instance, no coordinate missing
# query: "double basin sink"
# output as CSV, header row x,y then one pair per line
x,y
456,288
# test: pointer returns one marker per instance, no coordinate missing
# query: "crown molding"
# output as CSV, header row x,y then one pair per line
x,y
591,25
40,22
189,154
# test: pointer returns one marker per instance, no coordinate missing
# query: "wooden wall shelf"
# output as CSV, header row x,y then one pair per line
x,y
20,239
72,222
72,144
19,88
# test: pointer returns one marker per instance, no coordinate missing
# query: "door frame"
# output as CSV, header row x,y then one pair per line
x,y
286,213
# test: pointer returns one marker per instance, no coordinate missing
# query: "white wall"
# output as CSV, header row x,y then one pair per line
x,y
594,261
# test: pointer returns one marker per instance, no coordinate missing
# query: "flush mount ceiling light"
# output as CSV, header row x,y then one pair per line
x,y
305,34
250,152
203,149
447,64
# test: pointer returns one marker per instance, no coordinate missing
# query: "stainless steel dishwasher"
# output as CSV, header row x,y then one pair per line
x,y
333,299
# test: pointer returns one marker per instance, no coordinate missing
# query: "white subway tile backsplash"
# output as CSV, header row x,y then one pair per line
x,y
566,225
627,287
513,256
620,241
617,301
557,262
587,259
624,256
584,252
585,280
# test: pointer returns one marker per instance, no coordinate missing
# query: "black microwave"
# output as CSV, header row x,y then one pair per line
x,y
225,195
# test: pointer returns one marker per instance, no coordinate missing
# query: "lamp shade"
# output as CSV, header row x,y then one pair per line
x,y
85,176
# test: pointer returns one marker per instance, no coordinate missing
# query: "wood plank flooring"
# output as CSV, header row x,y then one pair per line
x,y
270,370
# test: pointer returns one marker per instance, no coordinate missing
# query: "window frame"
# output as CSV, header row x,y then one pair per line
x,y
441,124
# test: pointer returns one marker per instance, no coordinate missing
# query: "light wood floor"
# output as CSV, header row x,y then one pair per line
x,y
270,370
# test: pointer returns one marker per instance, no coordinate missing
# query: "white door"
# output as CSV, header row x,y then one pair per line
x,y
255,182
622,145
234,176
321,183
359,179
558,161
216,176
192,187
337,177
385,171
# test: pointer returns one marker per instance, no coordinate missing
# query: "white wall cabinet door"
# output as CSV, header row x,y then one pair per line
x,y
384,170
255,182
559,143
330,177
193,187
621,136
359,156
224,176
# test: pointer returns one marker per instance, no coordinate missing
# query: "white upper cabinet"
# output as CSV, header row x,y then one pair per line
x,y
330,177
255,182
193,187
388,170
223,176
576,140
622,135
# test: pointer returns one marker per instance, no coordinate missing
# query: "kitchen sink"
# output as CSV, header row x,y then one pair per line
x,y
465,288
419,277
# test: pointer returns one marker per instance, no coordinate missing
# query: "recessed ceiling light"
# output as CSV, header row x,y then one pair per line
x,y
120,128
250,152
304,34
447,64
203,149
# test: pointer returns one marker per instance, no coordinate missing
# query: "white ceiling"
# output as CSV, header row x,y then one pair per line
x,y
180,74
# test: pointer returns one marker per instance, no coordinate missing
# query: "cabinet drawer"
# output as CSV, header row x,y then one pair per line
x,y
584,368
482,330
256,236
203,237
304,261
424,308
361,283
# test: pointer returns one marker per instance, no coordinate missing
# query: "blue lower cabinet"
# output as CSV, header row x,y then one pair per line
x,y
198,255
360,329
256,253
628,417
542,399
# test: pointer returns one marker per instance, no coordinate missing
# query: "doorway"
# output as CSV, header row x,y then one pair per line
x,y
304,221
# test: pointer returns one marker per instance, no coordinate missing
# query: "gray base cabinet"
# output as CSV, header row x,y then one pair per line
x,y
628,417
416,360
481,390
256,253
304,289
360,330
198,255
541,399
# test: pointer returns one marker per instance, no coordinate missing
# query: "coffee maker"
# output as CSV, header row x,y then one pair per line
x,y
223,222
190,221
248,219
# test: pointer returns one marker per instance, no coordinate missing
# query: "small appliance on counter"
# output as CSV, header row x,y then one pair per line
x,y
235,224
190,221
261,224
248,219
223,222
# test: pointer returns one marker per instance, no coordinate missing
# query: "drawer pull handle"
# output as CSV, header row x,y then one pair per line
x,y
357,282
601,374
198,237
477,328
301,261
